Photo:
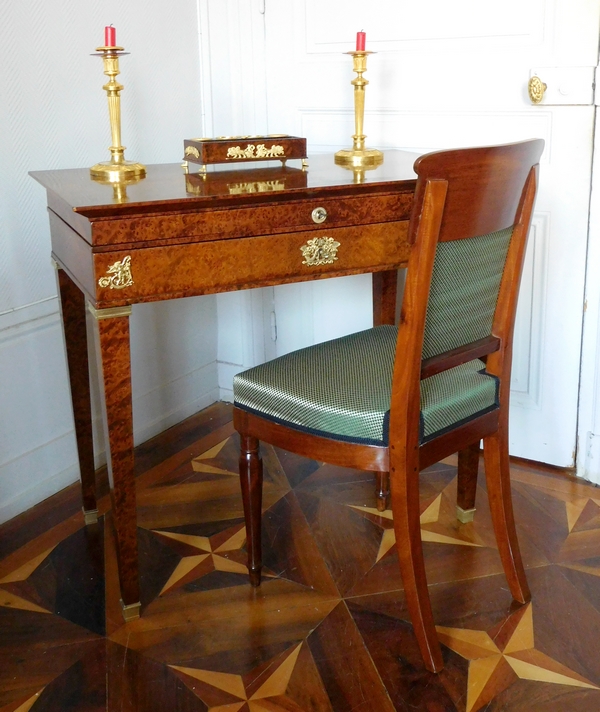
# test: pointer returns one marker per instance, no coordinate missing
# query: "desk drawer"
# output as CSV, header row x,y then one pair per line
x,y
211,224
221,265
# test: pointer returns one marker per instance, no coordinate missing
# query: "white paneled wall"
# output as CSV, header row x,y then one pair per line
x,y
53,114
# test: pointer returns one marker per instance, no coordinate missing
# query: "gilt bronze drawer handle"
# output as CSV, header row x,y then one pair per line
x,y
319,215
320,251
118,275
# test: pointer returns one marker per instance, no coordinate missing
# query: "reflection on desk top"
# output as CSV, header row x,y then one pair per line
x,y
166,187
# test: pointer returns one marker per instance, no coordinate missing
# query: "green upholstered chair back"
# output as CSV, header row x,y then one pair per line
x,y
469,227
464,291
485,191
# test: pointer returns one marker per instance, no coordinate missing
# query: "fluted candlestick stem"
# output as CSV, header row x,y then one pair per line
x,y
359,156
117,169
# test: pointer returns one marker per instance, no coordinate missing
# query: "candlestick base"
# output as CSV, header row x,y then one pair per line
x,y
117,172
359,158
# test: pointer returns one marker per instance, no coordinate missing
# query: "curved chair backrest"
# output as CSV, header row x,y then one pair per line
x,y
468,230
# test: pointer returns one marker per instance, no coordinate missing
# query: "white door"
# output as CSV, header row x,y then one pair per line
x,y
449,75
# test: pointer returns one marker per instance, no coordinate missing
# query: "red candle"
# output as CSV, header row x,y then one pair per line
x,y
360,41
110,36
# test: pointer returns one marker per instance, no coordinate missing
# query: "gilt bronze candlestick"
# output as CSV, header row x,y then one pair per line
x,y
117,169
358,156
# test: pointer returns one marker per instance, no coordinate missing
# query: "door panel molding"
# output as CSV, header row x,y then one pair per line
x,y
531,318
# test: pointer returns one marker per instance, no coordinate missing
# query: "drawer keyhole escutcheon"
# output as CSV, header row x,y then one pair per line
x,y
319,215
320,251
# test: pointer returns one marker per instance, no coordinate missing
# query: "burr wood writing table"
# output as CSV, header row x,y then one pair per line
x,y
174,235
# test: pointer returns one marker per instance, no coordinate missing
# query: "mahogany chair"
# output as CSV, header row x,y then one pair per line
x,y
398,399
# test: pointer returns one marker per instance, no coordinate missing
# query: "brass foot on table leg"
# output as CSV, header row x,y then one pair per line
x,y
130,611
465,515
91,516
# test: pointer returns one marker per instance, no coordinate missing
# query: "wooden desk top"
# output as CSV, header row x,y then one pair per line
x,y
166,187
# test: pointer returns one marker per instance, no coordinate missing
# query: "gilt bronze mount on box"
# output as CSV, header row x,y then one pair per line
x,y
116,170
242,149
359,156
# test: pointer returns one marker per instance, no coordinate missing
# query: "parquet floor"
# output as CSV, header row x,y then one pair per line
x,y
327,631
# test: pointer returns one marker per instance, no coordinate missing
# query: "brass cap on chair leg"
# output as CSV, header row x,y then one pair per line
x,y
130,611
90,516
465,515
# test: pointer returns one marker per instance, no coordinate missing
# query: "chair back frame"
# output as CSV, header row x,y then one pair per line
x,y
459,195
495,191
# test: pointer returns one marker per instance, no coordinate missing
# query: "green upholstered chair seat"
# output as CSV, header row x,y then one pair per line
x,y
341,389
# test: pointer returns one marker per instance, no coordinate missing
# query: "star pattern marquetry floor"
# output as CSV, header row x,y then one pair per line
x,y
327,631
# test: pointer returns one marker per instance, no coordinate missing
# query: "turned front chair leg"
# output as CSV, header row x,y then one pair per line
x,y
468,466
382,490
251,481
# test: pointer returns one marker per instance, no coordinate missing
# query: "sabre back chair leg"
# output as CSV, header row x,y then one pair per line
x,y
407,526
251,480
468,467
497,473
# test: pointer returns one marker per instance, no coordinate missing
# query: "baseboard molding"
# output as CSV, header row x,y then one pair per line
x,y
591,459
175,416
174,401
18,322
47,460
226,373
57,451
226,395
